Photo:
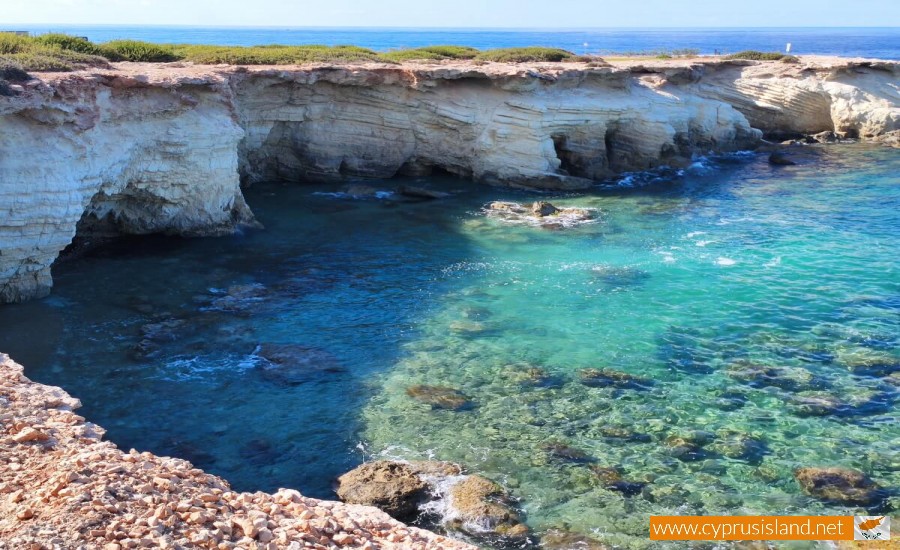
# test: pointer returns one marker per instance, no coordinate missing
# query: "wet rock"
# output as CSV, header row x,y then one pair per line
x,y
559,539
542,208
439,397
739,446
729,400
624,434
434,468
292,364
611,478
565,452
163,331
667,495
619,276
393,487
421,193
481,505
840,486
529,375
609,378
761,376
825,137
779,158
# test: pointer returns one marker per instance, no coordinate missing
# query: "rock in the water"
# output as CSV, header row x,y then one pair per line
x,y
839,485
565,452
689,447
292,364
868,362
817,404
619,276
421,193
780,159
739,446
439,397
393,487
825,137
624,434
785,378
543,208
480,505
239,298
557,539
611,478
606,378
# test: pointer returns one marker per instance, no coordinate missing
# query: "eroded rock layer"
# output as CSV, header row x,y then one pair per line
x,y
163,148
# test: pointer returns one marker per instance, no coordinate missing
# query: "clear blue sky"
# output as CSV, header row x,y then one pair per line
x,y
458,13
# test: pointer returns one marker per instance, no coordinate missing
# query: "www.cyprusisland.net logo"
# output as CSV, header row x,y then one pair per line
x,y
871,528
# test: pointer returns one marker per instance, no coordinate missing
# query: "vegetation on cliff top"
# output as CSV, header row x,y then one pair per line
x,y
763,56
61,52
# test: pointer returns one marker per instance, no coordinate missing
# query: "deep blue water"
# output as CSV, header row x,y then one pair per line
x,y
881,43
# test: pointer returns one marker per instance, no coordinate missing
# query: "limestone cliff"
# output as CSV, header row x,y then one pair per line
x,y
163,148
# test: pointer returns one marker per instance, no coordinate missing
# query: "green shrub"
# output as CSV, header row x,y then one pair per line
x,y
274,55
68,42
37,61
431,53
525,55
758,56
136,50
14,43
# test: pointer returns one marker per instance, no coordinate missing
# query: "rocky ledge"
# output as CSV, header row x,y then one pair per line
x,y
62,487
165,148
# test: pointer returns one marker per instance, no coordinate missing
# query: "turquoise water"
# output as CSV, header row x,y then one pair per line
x,y
689,281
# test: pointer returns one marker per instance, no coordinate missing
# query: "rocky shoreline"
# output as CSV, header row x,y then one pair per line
x,y
62,487
165,148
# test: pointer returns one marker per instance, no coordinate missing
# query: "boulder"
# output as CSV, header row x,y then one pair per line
x,y
481,506
839,486
825,137
393,487
606,378
780,159
439,397
293,364
543,208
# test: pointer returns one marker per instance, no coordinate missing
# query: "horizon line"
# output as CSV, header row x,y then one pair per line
x,y
433,28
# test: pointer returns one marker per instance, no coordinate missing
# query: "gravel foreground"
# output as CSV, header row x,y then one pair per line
x,y
62,487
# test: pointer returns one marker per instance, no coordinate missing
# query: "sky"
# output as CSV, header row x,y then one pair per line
x,y
457,13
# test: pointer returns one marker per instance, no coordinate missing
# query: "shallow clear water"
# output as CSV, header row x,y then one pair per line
x,y
681,280
882,43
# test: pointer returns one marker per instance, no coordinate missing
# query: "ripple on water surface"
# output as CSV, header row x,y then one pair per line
x,y
701,338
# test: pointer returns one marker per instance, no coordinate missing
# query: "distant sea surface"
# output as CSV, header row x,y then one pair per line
x,y
881,43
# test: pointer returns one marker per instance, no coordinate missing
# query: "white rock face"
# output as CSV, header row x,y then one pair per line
x,y
162,148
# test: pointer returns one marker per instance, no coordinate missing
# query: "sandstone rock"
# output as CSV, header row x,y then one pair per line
x,y
393,487
30,434
826,136
609,378
480,505
439,397
839,485
541,209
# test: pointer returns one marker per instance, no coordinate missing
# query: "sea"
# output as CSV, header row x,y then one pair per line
x,y
872,42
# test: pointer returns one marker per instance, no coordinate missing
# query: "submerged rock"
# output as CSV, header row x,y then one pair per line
x,y
868,362
565,452
481,506
360,191
780,159
839,485
611,478
239,299
761,376
393,487
542,208
421,193
739,446
817,404
619,276
689,447
293,364
558,539
606,378
439,397
624,434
